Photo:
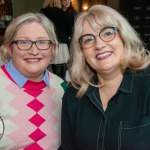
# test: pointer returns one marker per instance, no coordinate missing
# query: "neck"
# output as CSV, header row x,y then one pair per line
x,y
109,81
109,88
64,9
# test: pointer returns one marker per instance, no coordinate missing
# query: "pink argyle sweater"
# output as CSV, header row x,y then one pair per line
x,y
30,116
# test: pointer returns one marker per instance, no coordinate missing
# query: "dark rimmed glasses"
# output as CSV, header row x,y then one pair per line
x,y
27,44
107,34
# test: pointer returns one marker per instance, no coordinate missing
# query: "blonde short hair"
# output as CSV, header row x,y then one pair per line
x,y
18,22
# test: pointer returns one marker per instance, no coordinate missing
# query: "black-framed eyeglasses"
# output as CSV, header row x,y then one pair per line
x,y
27,44
107,34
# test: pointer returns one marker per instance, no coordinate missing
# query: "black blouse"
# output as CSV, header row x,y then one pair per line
x,y
125,125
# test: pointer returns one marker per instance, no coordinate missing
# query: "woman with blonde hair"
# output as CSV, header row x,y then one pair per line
x,y
107,106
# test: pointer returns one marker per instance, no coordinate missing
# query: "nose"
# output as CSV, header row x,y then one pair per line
x,y
99,43
33,50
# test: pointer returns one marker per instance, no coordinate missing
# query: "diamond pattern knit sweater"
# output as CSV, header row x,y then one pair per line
x,y
30,116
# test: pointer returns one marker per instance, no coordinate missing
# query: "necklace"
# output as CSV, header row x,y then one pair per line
x,y
102,85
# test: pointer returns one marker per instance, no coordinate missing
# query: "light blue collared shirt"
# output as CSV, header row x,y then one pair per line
x,y
21,79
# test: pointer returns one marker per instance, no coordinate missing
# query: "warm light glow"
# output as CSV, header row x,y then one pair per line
x,y
75,4
85,6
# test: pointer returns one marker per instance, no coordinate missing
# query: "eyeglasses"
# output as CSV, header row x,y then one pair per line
x,y
106,34
27,44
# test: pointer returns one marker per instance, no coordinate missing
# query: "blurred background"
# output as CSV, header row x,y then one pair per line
x,y
136,11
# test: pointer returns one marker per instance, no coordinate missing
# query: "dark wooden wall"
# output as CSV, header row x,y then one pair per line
x,y
138,14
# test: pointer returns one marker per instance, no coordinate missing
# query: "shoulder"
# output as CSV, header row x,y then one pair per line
x,y
54,77
142,78
147,70
70,102
57,10
70,96
139,80
72,10
71,90
4,73
51,10
57,82
144,72
43,10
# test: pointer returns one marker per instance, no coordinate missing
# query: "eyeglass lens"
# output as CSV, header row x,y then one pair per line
x,y
106,34
27,44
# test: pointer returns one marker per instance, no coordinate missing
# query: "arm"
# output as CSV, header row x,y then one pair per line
x,y
67,136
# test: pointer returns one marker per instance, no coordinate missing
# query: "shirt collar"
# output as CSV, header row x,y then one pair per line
x,y
21,79
126,84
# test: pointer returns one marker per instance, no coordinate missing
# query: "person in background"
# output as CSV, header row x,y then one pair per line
x,y
70,13
52,10
107,106
31,96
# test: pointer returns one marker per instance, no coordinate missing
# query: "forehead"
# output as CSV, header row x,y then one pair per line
x,y
96,22
31,29
88,28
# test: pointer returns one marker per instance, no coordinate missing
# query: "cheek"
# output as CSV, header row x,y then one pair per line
x,y
121,50
15,54
119,44
13,51
89,58
9,50
88,54
48,56
85,52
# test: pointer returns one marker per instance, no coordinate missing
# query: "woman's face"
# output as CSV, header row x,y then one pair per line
x,y
32,62
104,57
65,3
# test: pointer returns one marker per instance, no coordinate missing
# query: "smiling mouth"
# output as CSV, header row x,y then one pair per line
x,y
103,55
33,59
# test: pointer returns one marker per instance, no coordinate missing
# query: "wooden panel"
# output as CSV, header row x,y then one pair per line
x,y
138,14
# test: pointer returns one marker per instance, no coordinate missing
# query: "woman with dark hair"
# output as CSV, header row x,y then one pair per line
x,y
70,13
52,10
